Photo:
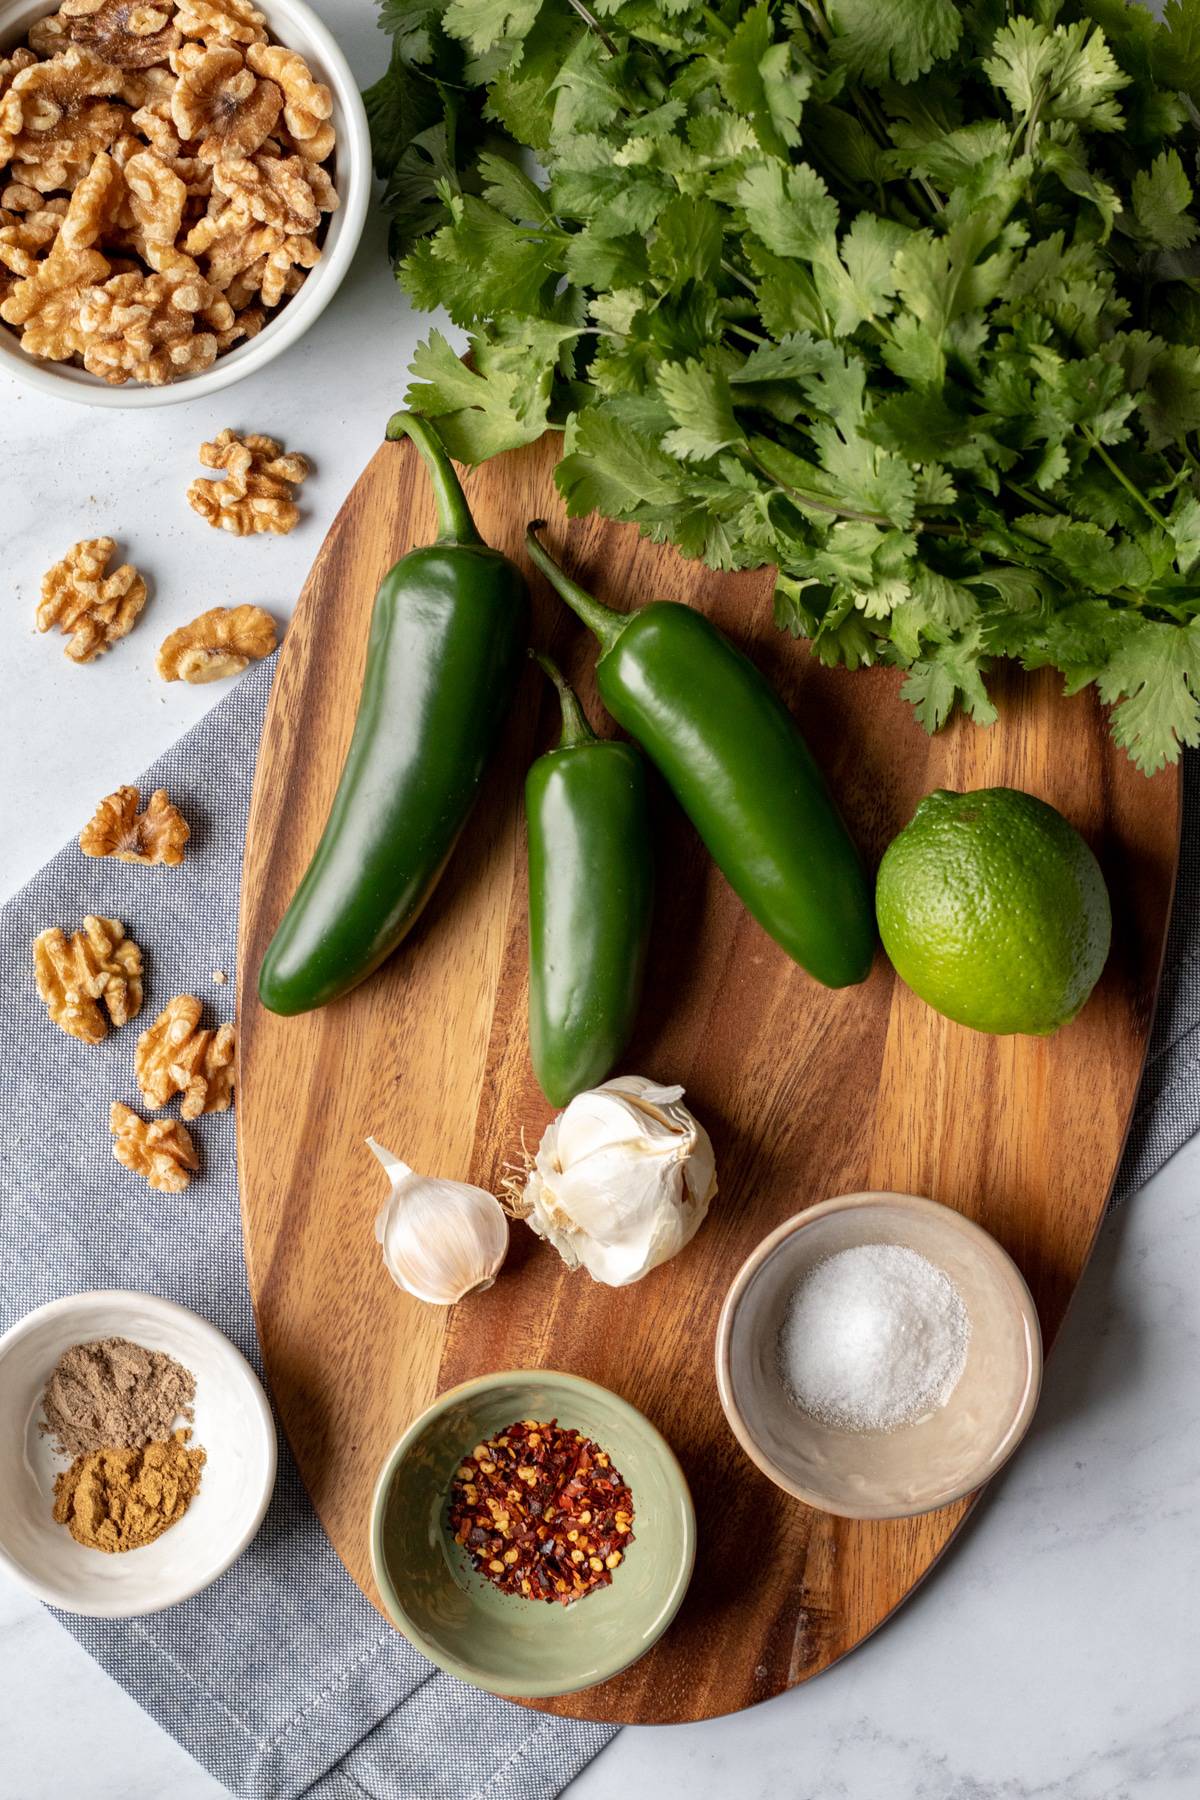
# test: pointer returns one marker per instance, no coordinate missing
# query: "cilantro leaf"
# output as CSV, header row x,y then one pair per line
x,y
1153,685
481,24
893,40
950,675
791,210
765,80
500,403
698,400
1162,195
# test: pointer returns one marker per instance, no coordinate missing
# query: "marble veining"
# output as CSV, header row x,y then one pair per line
x,y
1054,1654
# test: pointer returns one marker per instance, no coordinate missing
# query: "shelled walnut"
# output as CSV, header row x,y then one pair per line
x,y
223,641
222,21
125,109
129,34
258,488
117,829
153,327
307,104
74,975
160,1150
176,1056
224,104
89,607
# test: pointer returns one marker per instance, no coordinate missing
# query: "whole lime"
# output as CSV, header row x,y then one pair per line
x,y
993,909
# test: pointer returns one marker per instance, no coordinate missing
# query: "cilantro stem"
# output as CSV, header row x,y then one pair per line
x,y
1114,468
815,13
732,269
1034,500
716,22
593,24
755,337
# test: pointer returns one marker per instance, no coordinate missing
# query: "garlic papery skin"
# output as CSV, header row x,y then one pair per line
x,y
442,1240
622,1180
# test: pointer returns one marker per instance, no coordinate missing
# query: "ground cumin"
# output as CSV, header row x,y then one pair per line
x,y
112,1394
121,1498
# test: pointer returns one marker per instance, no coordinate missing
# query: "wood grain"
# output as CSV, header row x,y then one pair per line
x,y
806,1092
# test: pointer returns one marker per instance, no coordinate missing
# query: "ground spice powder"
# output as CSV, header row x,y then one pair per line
x,y
112,1393
541,1512
120,1498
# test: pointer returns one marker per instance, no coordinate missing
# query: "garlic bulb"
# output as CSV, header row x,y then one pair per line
x,y
621,1181
441,1240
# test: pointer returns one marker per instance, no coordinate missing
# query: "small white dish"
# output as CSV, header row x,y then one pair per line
x,y
233,1425
915,1468
297,27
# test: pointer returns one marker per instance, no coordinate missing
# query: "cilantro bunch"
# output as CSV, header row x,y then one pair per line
x,y
901,296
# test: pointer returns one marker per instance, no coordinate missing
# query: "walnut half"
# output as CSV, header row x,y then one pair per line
x,y
91,608
257,492
157,835
159,1149
75,974
176,1056
222,641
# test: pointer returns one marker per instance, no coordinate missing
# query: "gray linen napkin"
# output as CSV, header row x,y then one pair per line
x,y
280,1678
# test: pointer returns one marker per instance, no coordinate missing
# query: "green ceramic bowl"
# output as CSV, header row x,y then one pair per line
x,y
503,1642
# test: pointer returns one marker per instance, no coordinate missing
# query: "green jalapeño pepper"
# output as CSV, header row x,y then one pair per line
x,y
446,647
732,755
591,882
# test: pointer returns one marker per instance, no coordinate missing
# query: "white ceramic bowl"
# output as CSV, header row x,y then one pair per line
x,y
233,1425
875,1474
295,25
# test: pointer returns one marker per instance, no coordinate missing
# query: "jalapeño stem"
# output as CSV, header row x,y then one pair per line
x,y
575,728
607,624
455,524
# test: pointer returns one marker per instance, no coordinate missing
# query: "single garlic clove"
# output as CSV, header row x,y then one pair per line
x,y
441,1240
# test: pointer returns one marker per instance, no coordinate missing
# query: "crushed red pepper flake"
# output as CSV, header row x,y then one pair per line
x,y
541,1512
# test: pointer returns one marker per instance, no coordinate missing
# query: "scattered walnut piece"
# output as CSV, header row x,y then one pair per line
x,y
222,641
92,608
127,33
221,21
74,974
223,103
257,492
161,1150
157,835
176,1056
220,977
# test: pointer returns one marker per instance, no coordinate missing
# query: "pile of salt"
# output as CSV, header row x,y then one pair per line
x,y
875,1337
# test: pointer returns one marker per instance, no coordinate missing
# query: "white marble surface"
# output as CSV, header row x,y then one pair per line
x,y
1056,1652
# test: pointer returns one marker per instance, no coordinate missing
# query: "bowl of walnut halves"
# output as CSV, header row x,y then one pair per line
x,y
183,184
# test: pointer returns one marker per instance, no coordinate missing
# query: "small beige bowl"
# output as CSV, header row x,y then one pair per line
x,y
896,1474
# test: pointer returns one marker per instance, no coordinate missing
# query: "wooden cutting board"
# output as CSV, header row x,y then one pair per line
x,y
807,1093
